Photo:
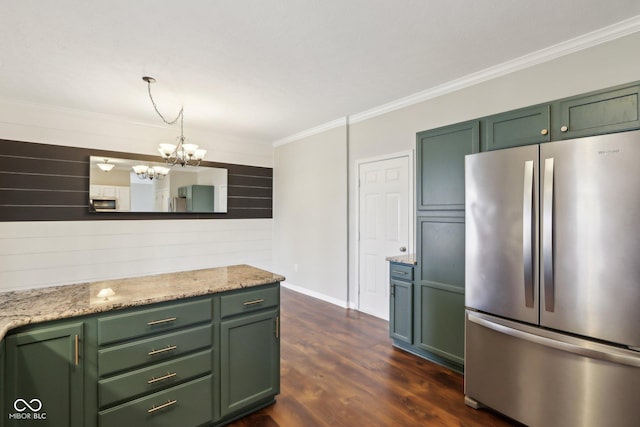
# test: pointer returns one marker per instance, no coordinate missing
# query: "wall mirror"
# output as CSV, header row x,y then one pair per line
x,y
125,185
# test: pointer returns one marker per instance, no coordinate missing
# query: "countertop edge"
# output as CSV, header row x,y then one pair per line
x,y
407,259
10,322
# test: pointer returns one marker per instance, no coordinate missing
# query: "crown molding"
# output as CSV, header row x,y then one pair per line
x,y
312,131
585,41
568,47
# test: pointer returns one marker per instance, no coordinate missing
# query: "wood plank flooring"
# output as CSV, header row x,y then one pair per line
x,y
339,369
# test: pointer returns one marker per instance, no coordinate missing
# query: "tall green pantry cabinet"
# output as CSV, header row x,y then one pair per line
x,y
439,276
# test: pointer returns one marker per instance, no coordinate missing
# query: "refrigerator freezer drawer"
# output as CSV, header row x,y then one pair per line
x,y
542,378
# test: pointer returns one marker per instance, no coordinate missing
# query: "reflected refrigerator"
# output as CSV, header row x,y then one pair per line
x,y
552,258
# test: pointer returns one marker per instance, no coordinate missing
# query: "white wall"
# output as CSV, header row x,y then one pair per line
x,y
41,254
598,67
310,214
609,64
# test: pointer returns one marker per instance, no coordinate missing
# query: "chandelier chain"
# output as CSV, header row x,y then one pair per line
x,y
155,107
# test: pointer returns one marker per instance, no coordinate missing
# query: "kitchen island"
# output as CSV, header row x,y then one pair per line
x,y
189,348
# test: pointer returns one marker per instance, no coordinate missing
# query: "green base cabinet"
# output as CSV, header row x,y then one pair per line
x,y
439,290
44,376
198,361
440,327
249,351
401,302
3,413
249,361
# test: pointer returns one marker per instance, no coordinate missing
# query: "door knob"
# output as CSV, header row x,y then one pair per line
x,y
403,249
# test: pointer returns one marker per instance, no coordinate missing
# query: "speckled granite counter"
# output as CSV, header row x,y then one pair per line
x,y
20,308
409,259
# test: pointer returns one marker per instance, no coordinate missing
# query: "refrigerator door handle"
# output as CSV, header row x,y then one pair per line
x,y
547,236
555,344
527,233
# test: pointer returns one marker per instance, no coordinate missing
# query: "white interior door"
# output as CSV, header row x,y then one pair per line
x,y
384,205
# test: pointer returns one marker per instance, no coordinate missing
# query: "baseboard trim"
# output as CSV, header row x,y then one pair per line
x,y
314,294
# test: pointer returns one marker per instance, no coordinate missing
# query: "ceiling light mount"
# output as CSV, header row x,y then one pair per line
x,y
180,153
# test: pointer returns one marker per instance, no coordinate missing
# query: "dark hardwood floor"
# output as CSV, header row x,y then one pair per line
x,y
340,369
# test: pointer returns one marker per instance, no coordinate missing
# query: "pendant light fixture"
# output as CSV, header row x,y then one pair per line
x,y
105,166
181,153
150,172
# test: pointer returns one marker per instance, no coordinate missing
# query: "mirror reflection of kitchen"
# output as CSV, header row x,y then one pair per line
x,y
124,185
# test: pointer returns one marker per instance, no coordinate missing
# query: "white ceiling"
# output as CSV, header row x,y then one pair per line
x,y
266,69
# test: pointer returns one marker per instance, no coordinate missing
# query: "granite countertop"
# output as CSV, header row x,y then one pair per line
x,y
28,306
409,259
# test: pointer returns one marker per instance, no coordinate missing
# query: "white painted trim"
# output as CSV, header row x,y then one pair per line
x,y
568,47
412,179
585,41
314,294
313,131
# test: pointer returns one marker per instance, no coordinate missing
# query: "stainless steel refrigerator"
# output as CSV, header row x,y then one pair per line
x,y
552,261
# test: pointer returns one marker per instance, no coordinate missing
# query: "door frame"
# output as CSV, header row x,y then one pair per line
x,y
410,154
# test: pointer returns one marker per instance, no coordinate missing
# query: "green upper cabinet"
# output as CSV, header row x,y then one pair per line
x,y
440,181
607,111
45,381
520,127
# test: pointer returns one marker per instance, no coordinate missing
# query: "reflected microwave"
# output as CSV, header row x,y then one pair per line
x,y
104,204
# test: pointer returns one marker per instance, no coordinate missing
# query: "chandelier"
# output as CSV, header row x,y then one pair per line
x,y
150,172
105,166
181,153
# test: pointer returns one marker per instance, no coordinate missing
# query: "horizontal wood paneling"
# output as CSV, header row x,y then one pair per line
x,y
46,253
41,182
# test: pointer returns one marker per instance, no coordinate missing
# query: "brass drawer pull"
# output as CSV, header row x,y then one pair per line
x,y
155,408
77,349
399,272
159,322
256,301
162,378
162,350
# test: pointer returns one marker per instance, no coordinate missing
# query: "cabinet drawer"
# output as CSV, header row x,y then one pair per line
x,y
150,350
153,378
401,271
247,301
138,323
186,405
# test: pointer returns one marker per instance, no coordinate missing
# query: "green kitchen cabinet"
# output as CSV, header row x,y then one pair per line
x,y
605,111
514,128
44,380
250,361
440,325
401,302
439,290
3,413
440,171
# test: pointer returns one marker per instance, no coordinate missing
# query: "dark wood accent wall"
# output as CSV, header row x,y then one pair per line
x,y
43,182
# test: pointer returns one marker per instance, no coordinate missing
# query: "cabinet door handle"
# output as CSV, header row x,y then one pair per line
x,y
77,349
159,322
399,272
162,350
155,408
564,129
255,301
277,326
544,131
162,378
